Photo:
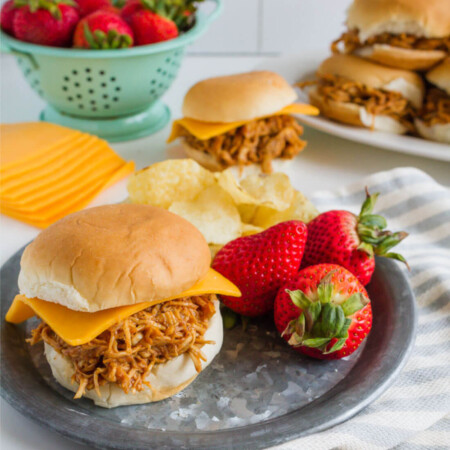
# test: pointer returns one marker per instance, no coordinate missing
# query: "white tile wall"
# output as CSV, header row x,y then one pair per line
x,y
273,26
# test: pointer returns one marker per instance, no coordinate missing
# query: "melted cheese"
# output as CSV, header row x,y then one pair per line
x,y
77,327
206,130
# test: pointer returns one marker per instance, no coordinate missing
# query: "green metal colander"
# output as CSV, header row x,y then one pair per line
x,y
114,94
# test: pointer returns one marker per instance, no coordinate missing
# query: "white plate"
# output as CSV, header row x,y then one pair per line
x,y
300,68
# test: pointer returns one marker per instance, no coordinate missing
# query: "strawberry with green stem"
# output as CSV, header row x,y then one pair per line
x,y
341,237
325,312
103,30
45,22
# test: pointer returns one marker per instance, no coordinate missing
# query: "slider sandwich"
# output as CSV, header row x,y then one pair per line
x,y
126,301
407,34
240,120
353,90
434,117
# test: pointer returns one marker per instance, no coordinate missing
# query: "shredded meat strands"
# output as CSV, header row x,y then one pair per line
x,y
125,353
375,101
351,42
259,141
436,107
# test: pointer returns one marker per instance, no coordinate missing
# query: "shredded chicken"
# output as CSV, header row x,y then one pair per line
x,y
375,101
125,353
351,42
259,141
436,107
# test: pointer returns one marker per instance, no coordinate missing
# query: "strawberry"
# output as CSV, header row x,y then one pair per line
x,y
150,28
102,30
341,237
259,264
86,7
131,7
45,22
7,14
324,312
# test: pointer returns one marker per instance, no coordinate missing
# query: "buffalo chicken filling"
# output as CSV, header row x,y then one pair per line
x,y
259,141
436,107
125,353
351,42
375,101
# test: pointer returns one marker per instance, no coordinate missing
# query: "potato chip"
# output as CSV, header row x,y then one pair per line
x,y
214,248
248,229
300,209
213,213
228,183
274,190
174,180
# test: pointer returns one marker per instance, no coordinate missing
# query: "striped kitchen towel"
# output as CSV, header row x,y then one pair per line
x,y
413,413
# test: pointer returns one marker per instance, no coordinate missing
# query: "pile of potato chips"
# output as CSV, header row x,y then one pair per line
x,y
222,208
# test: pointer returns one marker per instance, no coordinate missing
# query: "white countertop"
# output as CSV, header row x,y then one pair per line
x,y
327,163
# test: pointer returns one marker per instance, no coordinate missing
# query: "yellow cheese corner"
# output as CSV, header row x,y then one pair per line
x,y
206,130
78,327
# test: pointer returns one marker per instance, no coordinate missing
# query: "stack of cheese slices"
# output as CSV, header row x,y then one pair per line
x,y
49,171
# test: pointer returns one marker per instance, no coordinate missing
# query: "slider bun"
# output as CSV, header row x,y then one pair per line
x,y
112,256
401,58
424,18
233,98
374,75
210,162
353,114
439,132
440,76
166,379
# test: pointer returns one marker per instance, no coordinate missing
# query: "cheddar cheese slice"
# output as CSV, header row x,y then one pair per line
x,y
93,161
50,214
206,130
29,140
77,327
62,158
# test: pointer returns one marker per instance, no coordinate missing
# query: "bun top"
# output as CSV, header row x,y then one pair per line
x,y
112,256
427,18
373,75
440,76
232,98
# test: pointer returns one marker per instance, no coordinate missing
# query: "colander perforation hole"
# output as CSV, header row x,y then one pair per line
x,y
91,89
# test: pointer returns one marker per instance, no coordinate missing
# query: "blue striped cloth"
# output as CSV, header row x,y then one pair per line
x,y
414,413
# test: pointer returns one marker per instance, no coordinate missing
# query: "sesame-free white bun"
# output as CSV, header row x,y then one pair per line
x,y
166,379
353,114
376,76
243,96
112,256
440,76
422,18
439,132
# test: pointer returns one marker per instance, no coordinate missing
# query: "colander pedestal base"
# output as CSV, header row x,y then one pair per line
x,y
116,129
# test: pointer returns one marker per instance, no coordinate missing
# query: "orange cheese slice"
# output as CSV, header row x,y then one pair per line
x,y
92,164
45,194
27,141
206,130
53,153
46,216
61,160
77,327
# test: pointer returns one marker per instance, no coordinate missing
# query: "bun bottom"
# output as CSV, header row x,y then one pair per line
x,y
438,132
166,379
210,162
353,114
402,58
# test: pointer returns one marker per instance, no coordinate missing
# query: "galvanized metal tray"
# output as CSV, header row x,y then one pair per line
x,y
257,393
